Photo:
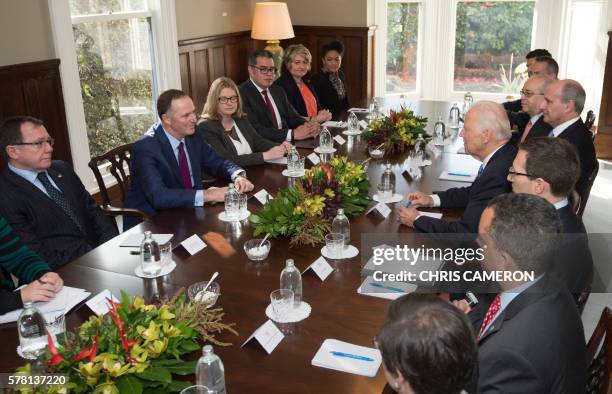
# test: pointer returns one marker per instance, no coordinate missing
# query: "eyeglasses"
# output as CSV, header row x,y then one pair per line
x,y
225,100
37,144
530,94
265,70
513,173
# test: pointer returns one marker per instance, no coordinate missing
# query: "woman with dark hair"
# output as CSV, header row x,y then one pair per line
x,y
226,128
330,84
300,92
427,346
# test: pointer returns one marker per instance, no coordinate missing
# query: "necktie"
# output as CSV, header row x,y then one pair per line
x,y
270,108
480,170
233,134
527,130
491,312
58,198
184,167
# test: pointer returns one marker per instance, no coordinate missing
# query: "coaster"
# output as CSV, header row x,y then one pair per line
x,y
319,150
295,315
243,215
348,132
298,175
394,198
347,253
166,269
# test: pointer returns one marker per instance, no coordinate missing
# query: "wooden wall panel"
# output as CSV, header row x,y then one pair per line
x,y
35,89
603,140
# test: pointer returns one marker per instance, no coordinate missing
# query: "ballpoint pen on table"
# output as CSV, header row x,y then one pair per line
x,y
458,174
396,289
353,356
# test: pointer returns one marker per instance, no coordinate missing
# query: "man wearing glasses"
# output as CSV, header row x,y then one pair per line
x,y
530,121
267,106
43,199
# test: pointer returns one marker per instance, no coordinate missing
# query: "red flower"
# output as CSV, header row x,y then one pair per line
x,y
57,358
330,175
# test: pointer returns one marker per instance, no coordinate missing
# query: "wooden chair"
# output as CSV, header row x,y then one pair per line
x,y
117,160
599,356
589,122
584,197
574,200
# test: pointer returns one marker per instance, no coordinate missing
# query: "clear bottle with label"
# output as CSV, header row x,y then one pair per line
x,y
386,188
453,117
232,203
439,135
150,259
32,331
291,279
326,144
341,225
353,123
210,371
293,158
468,100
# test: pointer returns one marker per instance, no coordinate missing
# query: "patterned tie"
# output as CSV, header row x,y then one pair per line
x,y
270,108
527,130
233,134
491,312
480,170
59,198
184,167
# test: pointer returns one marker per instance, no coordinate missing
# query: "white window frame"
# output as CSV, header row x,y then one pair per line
x,y
165,56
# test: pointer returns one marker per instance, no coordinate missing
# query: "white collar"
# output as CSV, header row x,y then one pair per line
x,y
535,118
490,155
561,204
561,128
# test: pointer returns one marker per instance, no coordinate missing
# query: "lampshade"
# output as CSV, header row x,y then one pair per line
x,y
271,21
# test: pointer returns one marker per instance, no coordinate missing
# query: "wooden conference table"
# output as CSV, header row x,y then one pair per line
x,y
338,311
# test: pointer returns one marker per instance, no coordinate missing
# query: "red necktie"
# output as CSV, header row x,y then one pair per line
x,y
184,167
491,312
527,130
270,108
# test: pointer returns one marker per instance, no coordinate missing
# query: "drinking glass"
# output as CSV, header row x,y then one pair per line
x,y
334,242
165,253
242,203
56,326
198,389
282,302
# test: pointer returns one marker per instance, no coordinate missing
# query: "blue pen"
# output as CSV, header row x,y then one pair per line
x,y
458,174
353,356
396,289
408,204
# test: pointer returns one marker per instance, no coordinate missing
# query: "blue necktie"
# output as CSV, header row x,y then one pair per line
x,y
59,198
480,170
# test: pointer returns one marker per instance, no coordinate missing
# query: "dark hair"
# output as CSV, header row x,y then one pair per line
x,y
555,160
525,227
260,53
552,67
10,131
537,53
164,101
335,45
573,91
429,342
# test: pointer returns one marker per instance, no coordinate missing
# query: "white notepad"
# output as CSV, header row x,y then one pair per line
x,y
457,176
359,360
280,160
386,290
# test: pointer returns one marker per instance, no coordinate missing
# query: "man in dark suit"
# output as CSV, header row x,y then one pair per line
x,y
530,336
486,133
529,121
267,107
549,168
562,106
530,59
167,162
43,199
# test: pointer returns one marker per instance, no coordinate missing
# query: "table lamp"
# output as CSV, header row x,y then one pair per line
x,y
271,22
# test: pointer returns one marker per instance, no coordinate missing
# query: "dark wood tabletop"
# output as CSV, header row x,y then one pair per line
x,y
338,311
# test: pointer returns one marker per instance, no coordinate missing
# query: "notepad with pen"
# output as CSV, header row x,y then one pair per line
x,y
458,176
346,357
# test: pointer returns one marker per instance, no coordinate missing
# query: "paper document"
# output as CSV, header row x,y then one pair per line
x,y
281,160
331,123
363,110
64,301
346,357
458,176
435,215
387,290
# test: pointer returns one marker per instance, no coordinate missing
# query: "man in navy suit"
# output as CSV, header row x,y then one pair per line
x,y
562,106
485,133
167,162
530,121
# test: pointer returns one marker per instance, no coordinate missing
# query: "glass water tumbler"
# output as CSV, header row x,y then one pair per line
x,y
232,203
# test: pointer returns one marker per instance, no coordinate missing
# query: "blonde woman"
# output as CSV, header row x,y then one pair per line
x,y
226,128
300,92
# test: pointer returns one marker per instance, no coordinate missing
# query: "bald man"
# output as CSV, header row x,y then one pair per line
x,y
486,133
530,121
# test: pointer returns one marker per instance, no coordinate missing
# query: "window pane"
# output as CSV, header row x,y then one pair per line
x,y
114,60
89,7
402,40
491,43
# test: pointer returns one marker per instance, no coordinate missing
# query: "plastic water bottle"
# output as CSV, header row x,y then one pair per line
x,y
293,157
32,331
150,259
341,225
291,278
439,132
468,100
210,371
388,179
326,143
353,123
232,203
454,116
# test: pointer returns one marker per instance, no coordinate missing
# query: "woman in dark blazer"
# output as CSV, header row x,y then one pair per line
x,y
300,92
330,84
226,128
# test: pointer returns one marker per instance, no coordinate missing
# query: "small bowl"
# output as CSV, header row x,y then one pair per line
x,y
214,288
252,251
376,152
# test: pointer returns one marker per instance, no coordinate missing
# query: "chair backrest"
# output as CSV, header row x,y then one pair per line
x,y
584,197
574,200
599,356
117,158
589,122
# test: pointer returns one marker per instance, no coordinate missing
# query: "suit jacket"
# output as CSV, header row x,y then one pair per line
x,y
581,137
155,178
259,116
215,135
328,98
521,119
535,346
474,198
514,105
43,226
294,96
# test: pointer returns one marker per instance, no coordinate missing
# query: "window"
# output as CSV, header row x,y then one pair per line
x,y
402,46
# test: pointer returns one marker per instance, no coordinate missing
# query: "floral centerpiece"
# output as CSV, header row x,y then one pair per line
x,y
396,132
304,212
134,348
